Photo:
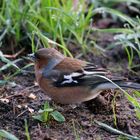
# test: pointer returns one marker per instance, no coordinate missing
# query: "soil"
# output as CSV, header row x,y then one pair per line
x,y
18,105
22,98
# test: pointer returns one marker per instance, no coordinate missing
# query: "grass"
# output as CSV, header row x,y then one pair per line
x,y
66,22
7,135
27,130
50,20
115,131
58,21
113,104
60,24
130,98
128,36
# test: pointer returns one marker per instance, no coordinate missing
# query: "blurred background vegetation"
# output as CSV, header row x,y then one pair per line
x,y
63,23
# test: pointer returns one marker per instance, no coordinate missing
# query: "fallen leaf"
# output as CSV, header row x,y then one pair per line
x,y
32,96
4,100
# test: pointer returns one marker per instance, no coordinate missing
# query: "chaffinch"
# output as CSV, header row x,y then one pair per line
x,y
68,80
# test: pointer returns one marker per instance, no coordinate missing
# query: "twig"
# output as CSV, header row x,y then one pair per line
x,y
10,96
21,92
14,55
21,113
115,131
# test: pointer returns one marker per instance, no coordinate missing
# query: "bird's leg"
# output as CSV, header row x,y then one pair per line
x,y
97,104
100,100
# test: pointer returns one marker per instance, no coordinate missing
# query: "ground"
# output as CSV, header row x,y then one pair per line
x,y
22,98
79,122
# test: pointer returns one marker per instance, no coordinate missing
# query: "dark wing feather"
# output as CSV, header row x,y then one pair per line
x,y
90,75
85,76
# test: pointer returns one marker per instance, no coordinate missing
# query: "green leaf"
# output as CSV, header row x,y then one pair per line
x,y
7,135
57,116
45,110
114,30
46,105
38,117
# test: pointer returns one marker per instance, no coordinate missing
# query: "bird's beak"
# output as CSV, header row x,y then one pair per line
x,y
31,56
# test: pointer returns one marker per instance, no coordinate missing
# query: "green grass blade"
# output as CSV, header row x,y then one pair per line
x,y
5,134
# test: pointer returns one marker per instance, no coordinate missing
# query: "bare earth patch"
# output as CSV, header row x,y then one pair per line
x,y
25,97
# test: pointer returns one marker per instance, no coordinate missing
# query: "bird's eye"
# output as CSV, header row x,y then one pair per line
x,y
37,56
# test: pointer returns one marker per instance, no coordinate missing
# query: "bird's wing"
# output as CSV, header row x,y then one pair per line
x,y
89,75
85,76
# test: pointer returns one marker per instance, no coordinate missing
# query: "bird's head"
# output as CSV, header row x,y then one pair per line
x,y
46,55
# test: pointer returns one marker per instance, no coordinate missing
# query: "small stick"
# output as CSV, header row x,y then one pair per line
x,y
14,55
21,92
21,113
115,131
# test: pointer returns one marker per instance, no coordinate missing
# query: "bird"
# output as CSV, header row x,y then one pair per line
x,y
69,80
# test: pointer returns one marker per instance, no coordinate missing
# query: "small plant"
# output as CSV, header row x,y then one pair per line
x,y
48,113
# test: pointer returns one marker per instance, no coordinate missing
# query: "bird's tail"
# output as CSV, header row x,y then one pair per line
x,y
117,84
129,85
